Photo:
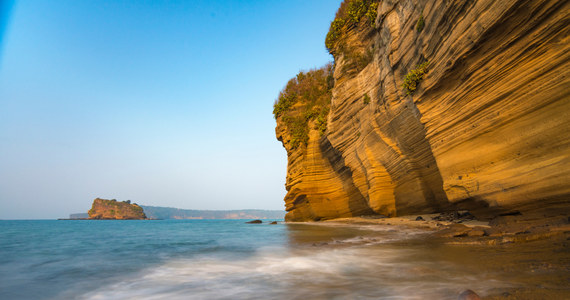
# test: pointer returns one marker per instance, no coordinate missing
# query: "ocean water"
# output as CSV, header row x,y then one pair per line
x,y
228,259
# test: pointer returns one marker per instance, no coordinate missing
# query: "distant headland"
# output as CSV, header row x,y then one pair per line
x,y
103,209
176,213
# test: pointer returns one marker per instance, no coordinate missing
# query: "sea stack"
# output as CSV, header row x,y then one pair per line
x,y
103,209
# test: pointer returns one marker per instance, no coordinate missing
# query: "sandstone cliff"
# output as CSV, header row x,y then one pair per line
x,y
114,210
486,122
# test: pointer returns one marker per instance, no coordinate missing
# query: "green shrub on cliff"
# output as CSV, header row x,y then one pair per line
x,y
299,132
334,34
356,10
283,104
304,100
349,15
321,121
414,77
421,23
372,13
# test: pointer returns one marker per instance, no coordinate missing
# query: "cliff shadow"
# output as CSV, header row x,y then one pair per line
x,y
357,203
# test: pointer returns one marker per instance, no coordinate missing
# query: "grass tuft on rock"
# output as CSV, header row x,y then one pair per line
x,y
421,23
413,77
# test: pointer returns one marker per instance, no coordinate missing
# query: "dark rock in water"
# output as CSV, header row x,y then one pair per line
x,y
273,223
468,295
419,218
254,222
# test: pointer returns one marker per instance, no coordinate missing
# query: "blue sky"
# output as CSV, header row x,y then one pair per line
x,y
165,103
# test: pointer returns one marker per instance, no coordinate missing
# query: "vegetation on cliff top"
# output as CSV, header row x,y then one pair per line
x,y
304,100
349,15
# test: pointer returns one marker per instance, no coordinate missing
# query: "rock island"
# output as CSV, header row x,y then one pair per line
x,y
103,209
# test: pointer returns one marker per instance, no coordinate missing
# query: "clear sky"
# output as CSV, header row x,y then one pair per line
x,y
165,103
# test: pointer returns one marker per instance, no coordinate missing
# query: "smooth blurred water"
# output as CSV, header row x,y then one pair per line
x,y
228,259
41,259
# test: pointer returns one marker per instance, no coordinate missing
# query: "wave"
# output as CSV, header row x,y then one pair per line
x,y
360,269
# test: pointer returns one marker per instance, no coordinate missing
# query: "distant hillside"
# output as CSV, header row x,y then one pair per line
x,y
157,212
79,216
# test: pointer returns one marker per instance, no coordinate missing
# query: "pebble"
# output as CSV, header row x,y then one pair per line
x,y
468,295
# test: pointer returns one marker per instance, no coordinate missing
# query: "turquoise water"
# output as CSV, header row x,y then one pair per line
x,y
228,259
47,259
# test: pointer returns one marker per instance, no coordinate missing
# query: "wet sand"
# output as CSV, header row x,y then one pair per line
x,y
512,256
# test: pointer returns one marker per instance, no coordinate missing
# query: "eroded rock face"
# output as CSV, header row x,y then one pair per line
x,y
115,210
489,123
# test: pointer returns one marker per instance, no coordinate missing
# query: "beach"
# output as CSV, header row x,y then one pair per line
x,y
529,254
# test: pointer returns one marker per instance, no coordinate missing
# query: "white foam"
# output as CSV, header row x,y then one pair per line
x,y
278,273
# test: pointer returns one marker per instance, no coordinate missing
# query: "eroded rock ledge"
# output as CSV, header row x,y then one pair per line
x,y
487,126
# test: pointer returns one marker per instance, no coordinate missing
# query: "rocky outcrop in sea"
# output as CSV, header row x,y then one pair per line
x,y
103,209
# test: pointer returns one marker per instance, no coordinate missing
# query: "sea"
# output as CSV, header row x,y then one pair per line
x,y
229,259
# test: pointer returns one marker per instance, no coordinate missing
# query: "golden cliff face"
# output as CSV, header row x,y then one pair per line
x,y
489,123
114,210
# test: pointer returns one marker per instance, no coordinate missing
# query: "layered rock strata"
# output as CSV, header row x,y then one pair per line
x,y
489,124
115,210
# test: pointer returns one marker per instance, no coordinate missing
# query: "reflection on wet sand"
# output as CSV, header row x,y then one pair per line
x,y
414,262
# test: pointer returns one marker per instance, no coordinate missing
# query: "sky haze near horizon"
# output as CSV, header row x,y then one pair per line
x,y
164,103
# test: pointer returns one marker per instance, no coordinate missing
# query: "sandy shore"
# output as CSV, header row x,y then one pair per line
x,y
462,227
539,243
409,221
